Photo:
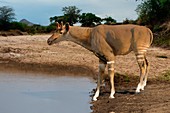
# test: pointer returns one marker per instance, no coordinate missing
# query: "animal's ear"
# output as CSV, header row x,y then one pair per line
x,y
67,26
57,26
61,25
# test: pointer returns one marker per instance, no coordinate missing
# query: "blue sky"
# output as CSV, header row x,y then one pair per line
x,y
39,11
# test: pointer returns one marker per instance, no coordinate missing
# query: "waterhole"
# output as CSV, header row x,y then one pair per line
x,y
29,93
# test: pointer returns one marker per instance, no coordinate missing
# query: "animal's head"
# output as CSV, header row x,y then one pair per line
x,y
60,34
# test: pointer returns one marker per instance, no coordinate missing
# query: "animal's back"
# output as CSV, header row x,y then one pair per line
x,y
125,38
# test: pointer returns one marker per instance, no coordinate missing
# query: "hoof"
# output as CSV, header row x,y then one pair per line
x,y
137,92
94,98
111,97
142,88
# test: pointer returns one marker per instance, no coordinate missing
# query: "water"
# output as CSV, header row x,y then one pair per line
x,y
20,93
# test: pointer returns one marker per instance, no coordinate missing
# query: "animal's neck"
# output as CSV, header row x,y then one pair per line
x,y
81,36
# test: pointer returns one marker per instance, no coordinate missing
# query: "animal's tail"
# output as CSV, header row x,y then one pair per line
x,y
151,36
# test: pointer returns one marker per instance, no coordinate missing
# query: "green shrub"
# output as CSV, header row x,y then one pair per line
x,y
51,28
19,26
166,76
157,28
162,40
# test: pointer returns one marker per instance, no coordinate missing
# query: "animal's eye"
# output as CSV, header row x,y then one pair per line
x,y
61,32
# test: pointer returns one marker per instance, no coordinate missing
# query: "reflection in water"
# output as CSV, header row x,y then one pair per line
x,y
43,94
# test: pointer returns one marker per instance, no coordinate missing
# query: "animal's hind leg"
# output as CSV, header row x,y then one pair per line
x,y
143,67
147,71
100,78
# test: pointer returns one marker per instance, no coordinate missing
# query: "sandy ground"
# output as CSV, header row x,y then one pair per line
x,y
31,53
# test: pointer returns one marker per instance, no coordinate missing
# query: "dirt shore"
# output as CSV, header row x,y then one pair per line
x,y
31,53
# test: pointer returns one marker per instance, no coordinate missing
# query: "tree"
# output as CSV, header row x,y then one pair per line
x,y
6,16
127,21
89,20
109,20
57,19
71,14
154,11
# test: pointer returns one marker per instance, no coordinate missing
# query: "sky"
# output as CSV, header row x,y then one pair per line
x,y
39,11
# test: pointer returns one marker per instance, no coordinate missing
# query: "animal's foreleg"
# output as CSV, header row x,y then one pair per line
x,y
111,74
100,79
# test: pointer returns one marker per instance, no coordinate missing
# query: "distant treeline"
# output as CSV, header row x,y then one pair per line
x,y
6,26
152,13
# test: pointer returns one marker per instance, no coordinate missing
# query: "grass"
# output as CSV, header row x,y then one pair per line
x,y
166,76
122,78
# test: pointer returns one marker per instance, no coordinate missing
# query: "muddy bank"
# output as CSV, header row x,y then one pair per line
x,y
31,53
154,99
7,65
12,33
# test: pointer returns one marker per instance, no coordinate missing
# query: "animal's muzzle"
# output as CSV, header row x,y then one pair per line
x,y
49,42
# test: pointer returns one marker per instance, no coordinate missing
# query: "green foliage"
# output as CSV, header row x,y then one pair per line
x,y
71,14
57,19
18,26
4,25
51,27
162,40
153,12
127,21
89,20
109,20
156,15
157,28
6,14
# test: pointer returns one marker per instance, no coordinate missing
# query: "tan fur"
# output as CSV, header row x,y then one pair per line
x,y
108,41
